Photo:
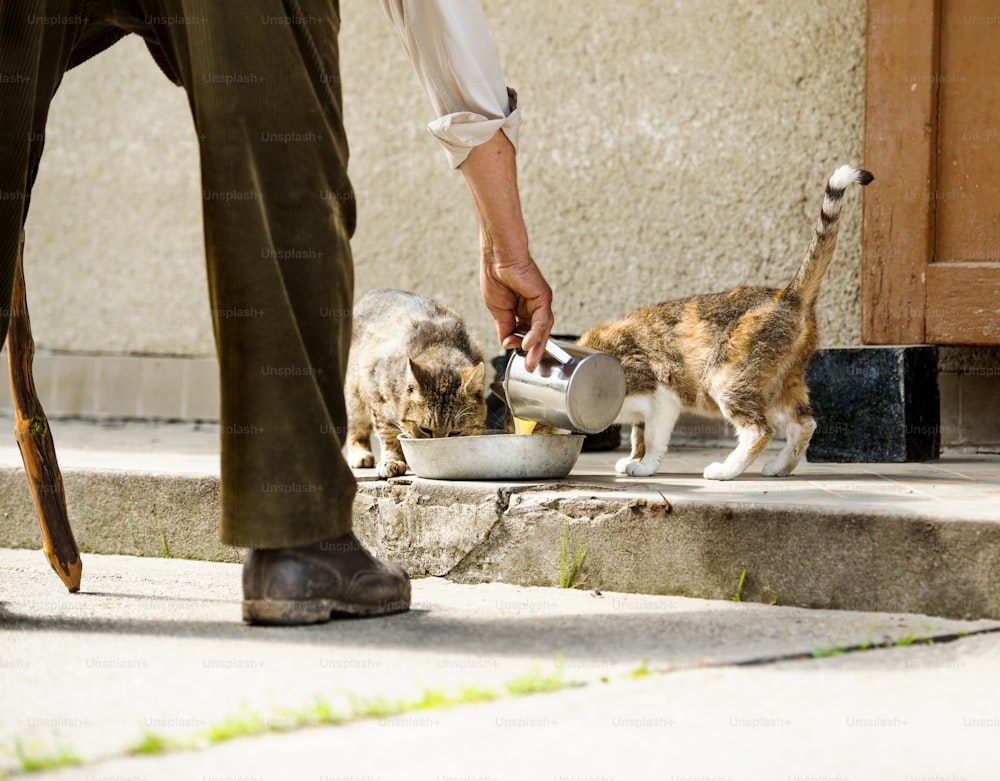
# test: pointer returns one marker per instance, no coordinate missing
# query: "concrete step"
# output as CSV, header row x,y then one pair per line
x,y
917,538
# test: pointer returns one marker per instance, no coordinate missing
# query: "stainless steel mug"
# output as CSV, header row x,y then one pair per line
x,y
572,387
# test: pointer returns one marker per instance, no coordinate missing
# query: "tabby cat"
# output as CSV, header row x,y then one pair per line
x,y
741,355
413,370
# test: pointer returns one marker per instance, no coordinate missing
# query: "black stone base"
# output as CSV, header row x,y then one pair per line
x,y
875,404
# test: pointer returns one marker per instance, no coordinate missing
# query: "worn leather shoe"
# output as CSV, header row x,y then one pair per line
x,y
311,584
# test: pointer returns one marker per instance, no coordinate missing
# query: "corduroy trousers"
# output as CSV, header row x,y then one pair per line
x,y
263,83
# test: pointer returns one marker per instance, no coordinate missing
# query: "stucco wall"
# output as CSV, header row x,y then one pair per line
x,y
668,148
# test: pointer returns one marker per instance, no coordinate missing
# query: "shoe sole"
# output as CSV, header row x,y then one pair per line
x,y
272,612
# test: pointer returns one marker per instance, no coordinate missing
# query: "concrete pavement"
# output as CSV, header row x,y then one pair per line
x,y
648,687
918,537
645,685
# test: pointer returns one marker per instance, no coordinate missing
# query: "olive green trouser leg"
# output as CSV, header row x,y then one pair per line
x,y
278,214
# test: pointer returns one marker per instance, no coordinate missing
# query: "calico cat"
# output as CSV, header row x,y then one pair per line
x,y
413,370
741,355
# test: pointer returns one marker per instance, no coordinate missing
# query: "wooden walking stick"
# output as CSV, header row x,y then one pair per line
x,y
35,441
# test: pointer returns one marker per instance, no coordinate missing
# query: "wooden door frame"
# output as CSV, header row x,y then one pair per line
x,y
906,298
902,53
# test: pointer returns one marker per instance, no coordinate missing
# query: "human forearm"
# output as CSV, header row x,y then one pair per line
x,y
513,288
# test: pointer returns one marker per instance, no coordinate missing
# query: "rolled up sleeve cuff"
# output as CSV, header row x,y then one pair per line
x,y
460,132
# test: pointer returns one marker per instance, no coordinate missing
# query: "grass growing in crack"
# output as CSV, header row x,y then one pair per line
x,y
824,653
151,743
738,596
31,757
772,594
912,639
868,644
535,682
164,550
248,722
568,574
244,723
472,694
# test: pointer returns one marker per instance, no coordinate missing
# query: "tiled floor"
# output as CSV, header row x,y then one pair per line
x,y
146,447
959,485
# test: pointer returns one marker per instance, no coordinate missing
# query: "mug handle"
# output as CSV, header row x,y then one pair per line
x,y
554,351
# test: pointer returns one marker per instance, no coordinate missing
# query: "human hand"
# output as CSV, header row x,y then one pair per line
x,y
516,293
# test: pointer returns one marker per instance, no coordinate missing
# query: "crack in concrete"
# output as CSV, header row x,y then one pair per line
x,y
501,505
826,653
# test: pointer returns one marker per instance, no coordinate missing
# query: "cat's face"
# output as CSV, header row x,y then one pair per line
x,y
443,402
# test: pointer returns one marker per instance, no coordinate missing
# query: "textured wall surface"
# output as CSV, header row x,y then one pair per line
x,y
668,148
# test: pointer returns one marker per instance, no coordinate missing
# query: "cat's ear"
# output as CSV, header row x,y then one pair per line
x,y
473,379
416,376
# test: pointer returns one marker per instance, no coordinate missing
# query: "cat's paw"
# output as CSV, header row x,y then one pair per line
x,y
777,469
717,471
621,466
361,459
390,468
639,469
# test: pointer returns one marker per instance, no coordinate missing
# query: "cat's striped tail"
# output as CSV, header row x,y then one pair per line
x,y
805,284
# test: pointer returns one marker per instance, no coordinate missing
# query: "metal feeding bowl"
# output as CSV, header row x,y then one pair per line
x,y
493,456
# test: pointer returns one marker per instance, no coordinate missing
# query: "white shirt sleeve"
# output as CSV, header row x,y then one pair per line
x,y
450,47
